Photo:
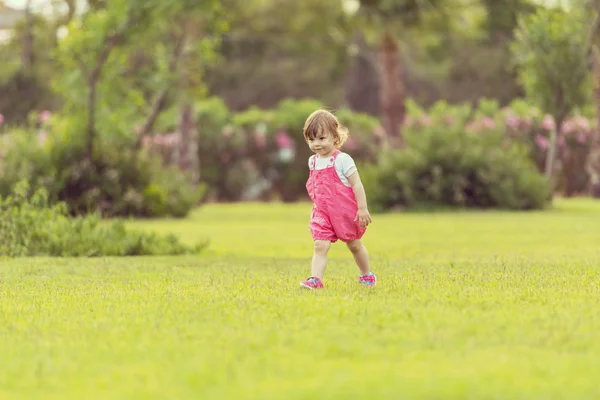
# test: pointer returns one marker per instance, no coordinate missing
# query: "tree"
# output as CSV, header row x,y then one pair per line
x,y
123,57
551,51
277,49
593,161
502,17
28,61
385,18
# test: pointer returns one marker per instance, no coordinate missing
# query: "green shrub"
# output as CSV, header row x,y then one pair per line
x,y
441,167
119,182
31,226
241,153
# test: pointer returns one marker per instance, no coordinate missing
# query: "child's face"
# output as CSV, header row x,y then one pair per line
x,y
322,144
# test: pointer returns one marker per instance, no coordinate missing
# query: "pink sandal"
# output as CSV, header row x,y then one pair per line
x,y
312,283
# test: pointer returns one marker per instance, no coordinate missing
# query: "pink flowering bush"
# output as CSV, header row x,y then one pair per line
x,y
526,125
444,164
121,183
261,154
521,124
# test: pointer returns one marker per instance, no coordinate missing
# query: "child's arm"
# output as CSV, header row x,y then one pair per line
x,y
363,216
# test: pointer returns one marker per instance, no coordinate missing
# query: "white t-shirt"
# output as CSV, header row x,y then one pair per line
x,y
344,165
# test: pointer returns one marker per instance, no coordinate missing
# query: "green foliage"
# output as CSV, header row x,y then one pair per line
x,y
240,150
26,87
502,16
299,47
137,57
448,166
253,117
170,193
123,182
551,50
32,226
410,12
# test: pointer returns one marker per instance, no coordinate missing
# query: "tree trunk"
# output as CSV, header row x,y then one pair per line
x,y
186,146
28,38
361,86
91,120
93,79
593,161
551,157
391,89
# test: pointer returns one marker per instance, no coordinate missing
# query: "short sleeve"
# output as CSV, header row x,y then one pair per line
x,y
310,160
346,164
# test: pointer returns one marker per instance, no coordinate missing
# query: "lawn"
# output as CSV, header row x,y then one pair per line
x,y
477,305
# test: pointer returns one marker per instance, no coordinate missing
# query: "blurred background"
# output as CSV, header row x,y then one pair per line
x,y
149,108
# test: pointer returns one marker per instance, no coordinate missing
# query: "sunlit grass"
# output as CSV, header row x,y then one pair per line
x,y
469,305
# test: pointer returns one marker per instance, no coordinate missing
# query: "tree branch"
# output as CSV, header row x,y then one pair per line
x,y
94,76
28,38
82,66
160,100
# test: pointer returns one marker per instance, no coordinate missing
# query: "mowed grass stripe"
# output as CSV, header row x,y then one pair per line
x,y
491,305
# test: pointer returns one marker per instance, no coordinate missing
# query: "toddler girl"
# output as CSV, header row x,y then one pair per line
x,y
340,204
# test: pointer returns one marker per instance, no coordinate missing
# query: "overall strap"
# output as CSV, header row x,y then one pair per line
x,y
333,158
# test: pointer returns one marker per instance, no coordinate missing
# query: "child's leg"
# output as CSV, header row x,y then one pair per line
x,y
359,251
319,261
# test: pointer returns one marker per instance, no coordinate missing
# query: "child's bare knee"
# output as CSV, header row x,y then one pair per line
x,y
322,246
354,245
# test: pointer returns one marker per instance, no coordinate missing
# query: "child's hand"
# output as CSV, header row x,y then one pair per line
x,y
363,217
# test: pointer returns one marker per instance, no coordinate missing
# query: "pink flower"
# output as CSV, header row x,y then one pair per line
x,y
42,137
471,127
425,120
227,132
260,140
45,116
146,141
582,138
283,141
548,123
488,123
172,139
380,132
512,122
581,123
449,119
525,123
1,119
541,141
568,127
508,112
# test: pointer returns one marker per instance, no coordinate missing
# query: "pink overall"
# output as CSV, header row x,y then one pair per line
x,y
335,205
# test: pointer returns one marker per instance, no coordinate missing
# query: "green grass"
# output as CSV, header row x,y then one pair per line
x,y
481,305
